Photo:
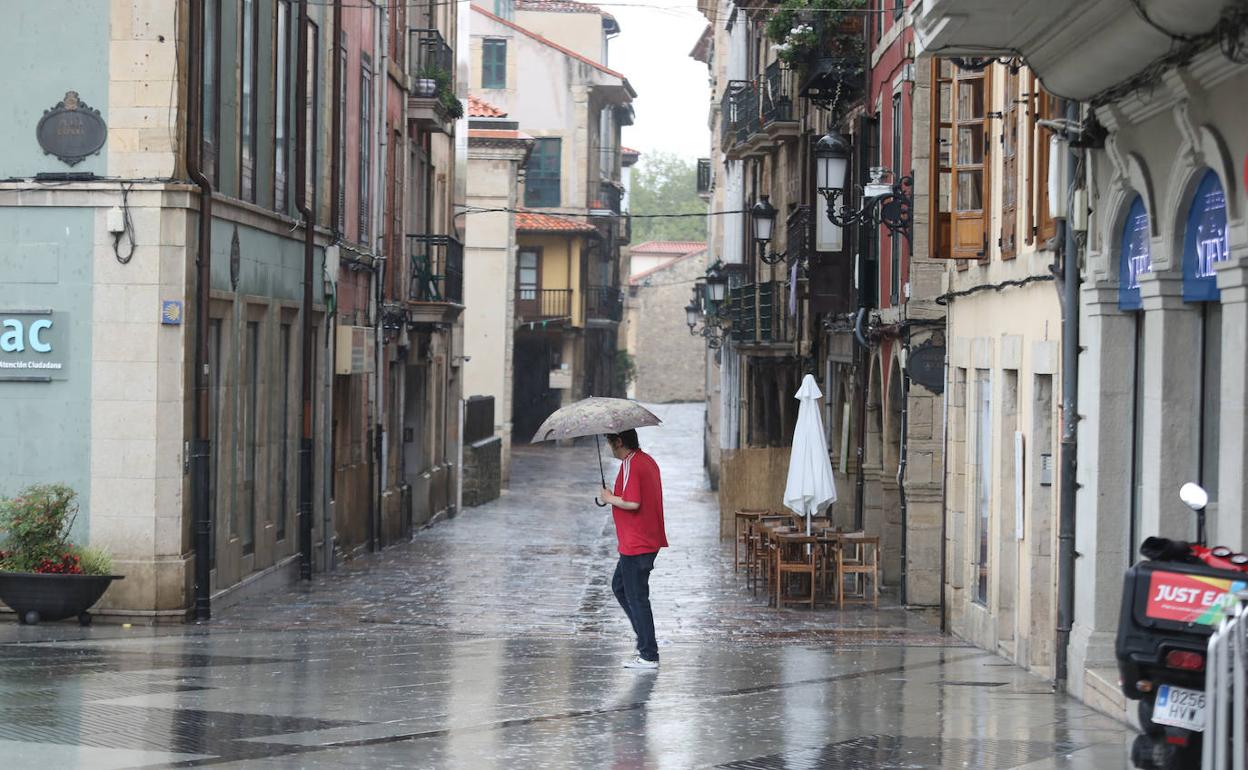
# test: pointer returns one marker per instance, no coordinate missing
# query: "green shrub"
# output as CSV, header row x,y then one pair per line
x,y
95,561
36,527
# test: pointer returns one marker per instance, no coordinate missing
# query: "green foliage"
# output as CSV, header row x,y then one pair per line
x,y
446,92
34,534
95,561
809,29
36,527
625,371
664,183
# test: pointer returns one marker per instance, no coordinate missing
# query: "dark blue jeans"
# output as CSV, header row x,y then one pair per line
x,y
631,585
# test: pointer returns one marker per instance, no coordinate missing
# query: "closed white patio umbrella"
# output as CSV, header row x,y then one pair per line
x,y
810,485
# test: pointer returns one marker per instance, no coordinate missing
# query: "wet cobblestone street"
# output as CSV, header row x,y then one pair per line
x,y
492,640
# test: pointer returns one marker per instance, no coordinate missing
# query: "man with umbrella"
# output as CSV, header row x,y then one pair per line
x,y
637,503
637,507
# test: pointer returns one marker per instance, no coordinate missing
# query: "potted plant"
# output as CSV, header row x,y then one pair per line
x,y
435,83
43,576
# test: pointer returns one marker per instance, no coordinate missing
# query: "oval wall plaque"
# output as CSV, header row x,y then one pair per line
x,y
71,130
926,365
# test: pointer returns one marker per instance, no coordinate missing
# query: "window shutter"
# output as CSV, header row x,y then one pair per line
x,y
1009,169
940,199
1046,227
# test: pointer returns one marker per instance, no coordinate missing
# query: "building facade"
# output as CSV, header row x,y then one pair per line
x,y
670,363
214,259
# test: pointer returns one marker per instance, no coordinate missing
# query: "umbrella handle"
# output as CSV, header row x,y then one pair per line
x,y
599,503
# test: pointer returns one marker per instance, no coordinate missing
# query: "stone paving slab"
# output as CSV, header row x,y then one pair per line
x,y
492,641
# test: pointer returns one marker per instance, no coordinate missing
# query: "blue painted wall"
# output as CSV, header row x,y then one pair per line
x,y
45,427
50,47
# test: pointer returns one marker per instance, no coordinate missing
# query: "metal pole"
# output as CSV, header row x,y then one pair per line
x,y
308,330
1070,421
201,449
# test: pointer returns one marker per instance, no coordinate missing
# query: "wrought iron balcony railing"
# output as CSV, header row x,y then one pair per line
x,y
799,235
606,197
731,113
431,59
534,303
748,121
777,95
604,302
704,176
437,264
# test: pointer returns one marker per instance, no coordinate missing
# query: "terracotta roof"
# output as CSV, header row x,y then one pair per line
x,y
479,108
565,51
677,248
495,133
536,222
560,6
644,274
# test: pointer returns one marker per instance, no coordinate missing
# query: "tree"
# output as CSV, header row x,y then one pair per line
x,y
664,183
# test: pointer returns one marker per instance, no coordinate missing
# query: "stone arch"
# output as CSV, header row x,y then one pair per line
x,y
1204,150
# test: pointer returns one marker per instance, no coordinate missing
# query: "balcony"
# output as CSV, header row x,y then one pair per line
x,y
731,112
432,104
436,290
534,304
605,199
798,234
704,178
756,314
778,117
604,304
1078,48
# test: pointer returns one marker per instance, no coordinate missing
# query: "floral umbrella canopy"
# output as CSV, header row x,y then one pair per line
x,y
595,416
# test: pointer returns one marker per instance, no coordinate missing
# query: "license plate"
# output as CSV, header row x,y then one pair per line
x,y
1178,707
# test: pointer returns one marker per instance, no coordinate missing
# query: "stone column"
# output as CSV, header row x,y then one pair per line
x,y
1227,525
1104,474
1171,404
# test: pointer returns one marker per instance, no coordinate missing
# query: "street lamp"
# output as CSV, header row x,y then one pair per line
x,y
764,216
883,203
716,283
692,313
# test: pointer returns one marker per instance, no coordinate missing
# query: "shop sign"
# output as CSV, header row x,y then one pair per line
x,y
1190,598
33,345
1136,257
926,366
1205,241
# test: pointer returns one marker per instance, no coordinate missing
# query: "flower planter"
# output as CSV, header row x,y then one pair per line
x,y
36,597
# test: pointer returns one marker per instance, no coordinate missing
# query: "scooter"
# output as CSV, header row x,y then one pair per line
x,y
1171,604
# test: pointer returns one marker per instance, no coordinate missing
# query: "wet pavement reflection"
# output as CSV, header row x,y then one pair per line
x,y
493,641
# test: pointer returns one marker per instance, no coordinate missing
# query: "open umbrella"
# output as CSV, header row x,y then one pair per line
x,y
810,485
595,416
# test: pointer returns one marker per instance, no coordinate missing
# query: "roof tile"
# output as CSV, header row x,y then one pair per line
x,y
536,222
479,108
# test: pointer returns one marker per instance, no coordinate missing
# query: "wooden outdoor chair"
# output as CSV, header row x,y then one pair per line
x,y
859,558
740,542
796,554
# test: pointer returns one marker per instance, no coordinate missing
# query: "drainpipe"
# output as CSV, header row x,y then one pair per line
x,y
1070,421
861,363
331,328
309,233
944,484
201,510
380,162
901,463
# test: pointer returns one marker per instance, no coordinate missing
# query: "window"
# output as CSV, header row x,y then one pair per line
x,y
281,119
283,443
898,173
942,158
251,434
1044,226
211,128
899,8
964,114
366,144
494,64
875,17
505,9
542,179
983,479
247,107
1009,169
527,280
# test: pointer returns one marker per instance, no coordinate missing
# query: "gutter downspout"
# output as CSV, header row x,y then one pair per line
x,y
901,463
335,216
1070,421
381,164
944,485
201,510
861,364
309,233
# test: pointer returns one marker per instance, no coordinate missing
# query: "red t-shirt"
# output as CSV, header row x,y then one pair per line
x,y
640,531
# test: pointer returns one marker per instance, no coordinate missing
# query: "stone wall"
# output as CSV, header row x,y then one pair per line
x,y
482,471
671,364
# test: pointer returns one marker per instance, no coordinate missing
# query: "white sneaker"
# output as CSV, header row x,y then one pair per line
x,y
641,663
